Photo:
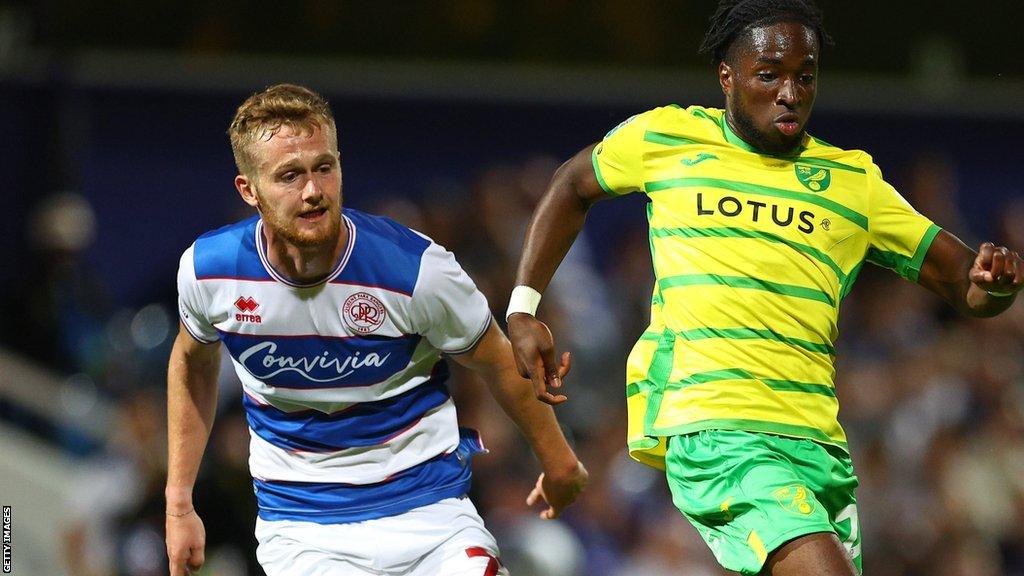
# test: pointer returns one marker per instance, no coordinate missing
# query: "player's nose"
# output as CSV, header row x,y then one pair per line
x,y
787,94
312,191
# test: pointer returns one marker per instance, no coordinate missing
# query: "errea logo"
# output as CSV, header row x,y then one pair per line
x,y
247,305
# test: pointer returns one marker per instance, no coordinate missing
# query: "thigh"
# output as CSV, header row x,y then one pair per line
x,y
743,496
465,548
446,538
289,548
819,554
462,560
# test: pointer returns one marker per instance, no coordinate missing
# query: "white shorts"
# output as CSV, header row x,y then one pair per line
x,y
447,538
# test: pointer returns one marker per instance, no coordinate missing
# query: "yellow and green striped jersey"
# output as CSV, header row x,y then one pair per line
x,y
752,255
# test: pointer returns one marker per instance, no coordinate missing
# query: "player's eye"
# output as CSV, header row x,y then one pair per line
x,y
325,168
289,176
767,76
807,78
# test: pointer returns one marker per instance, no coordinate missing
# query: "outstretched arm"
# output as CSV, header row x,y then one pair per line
x,y
980,284
191,404
556,222
563,477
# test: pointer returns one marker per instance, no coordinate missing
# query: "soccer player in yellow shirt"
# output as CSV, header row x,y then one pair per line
x,y
757,232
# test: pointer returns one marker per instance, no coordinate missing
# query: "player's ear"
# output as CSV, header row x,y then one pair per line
x,y
725,77
246,190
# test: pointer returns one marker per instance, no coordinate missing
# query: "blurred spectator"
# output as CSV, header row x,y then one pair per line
x,y
56,314
1010,231
933,190
117,517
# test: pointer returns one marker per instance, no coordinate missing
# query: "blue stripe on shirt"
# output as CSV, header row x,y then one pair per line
x,y
444,476
229,252
364,424
386,254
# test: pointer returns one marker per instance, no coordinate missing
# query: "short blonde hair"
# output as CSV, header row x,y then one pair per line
x,y
266,112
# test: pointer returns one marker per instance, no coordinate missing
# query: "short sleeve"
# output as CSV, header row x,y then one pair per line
x,y
191,307
899,237
447,308
618,159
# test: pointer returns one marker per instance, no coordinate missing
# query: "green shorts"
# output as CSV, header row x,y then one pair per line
x,y
749,493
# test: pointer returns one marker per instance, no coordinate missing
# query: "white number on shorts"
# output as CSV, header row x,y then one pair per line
x,y
851,544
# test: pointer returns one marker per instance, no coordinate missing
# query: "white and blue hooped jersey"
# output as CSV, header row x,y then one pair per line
x,y
344,386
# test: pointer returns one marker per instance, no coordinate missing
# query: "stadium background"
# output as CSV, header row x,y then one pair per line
x,y
452,116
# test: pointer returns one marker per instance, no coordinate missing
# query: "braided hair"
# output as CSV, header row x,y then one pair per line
x,y
733,17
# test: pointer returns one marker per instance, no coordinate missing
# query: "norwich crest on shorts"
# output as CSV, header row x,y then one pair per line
x,y
813,178
794,499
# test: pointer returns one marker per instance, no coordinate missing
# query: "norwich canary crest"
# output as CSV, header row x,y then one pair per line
x,y
794,499
813,178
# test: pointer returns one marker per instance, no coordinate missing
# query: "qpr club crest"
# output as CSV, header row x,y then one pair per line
x,y
363,312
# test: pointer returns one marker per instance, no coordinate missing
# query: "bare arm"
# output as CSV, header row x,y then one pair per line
x,y
191,404
965,278
563,477
556,222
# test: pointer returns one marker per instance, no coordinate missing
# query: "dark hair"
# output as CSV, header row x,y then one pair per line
x,y
733,17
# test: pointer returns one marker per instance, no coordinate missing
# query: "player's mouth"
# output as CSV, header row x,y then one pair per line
x,y
313,215
788,123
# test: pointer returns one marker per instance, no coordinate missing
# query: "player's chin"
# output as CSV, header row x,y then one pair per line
x,y
784,144
323,233
311,236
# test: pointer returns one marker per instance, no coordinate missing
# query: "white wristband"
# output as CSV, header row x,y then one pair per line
x,y
524,299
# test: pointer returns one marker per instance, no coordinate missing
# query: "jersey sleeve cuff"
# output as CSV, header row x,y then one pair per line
x,y
193,334
597,173
914,270
476,339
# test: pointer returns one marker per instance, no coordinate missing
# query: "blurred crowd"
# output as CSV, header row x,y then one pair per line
x,y
631,32
933,403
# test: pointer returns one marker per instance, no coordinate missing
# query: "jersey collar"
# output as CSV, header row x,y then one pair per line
x,y
261,248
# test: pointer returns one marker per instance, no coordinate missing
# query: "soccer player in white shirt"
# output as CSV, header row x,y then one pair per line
x,y
336,322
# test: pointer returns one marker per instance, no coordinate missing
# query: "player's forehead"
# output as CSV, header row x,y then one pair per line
x,y
780,41
290,144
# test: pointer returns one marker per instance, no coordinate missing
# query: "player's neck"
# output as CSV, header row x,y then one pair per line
x,y
303,264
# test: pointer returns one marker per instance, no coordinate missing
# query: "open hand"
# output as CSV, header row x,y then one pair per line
x,y
558,492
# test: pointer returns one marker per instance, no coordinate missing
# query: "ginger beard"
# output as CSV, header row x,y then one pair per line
x,y
323,230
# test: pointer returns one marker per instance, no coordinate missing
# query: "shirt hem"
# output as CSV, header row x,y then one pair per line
x,y
787,430
349,516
